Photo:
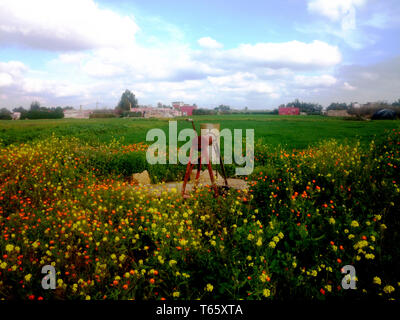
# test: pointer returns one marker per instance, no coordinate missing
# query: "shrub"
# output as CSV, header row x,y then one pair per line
x,y
95,115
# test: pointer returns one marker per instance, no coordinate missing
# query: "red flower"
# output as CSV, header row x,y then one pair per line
x,y
322,291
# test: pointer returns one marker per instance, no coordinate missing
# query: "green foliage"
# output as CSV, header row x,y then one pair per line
x,y
294,132
338,106
307,214
203,112
5,114
101,115
37,112
309,108
129,114
127,101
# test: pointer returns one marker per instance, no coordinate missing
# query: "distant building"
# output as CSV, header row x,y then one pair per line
x,y
77,114
337,113
16,115
289,111
150,112
186,109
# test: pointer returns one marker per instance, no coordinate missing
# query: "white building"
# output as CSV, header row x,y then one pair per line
x,y
157,112
77,114
16,115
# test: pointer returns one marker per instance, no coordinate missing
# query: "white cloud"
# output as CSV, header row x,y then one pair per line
x,y
249,74
10,72
347,86
335,10
63,25
209,43
293,54
5,80
314,81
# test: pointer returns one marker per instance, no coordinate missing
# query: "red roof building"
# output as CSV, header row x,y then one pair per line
x,y
289,111
186,109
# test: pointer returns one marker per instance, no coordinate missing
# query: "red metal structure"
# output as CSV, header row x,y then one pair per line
x,y
200,142
289,111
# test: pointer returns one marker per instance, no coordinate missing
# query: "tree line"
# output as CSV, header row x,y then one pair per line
x,y
36,111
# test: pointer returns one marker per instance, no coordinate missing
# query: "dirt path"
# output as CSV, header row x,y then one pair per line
x,y
176,187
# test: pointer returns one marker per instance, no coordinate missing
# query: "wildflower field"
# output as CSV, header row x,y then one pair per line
x,y
68,202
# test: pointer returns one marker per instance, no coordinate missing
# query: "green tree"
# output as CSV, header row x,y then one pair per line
x,y
338,106
5,114
35,106
309,108
223,108
127,101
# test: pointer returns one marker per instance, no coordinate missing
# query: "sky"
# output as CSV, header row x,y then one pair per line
x,y
255,53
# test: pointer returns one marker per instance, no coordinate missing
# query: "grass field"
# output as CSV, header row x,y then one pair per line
x,y
291,132
66,201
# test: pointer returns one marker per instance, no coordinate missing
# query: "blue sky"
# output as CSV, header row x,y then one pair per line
x,y
257,54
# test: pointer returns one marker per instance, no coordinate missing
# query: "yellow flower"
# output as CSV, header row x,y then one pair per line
x,y
3,265
209,287
266,293
388,289
9,248
259,242
332,221
250,237
377,280
272,244
275,239
354,224
172,263
328,287
28,277
280,235
87,298
176,294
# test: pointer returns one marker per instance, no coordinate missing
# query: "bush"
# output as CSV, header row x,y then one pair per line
x,y
129,114
99,115
43,113
5,114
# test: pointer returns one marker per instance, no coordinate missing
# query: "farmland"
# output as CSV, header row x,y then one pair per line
x,y
291,132
324,194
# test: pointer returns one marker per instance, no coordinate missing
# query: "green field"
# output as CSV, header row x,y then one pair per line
x,y
288,131
67,200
